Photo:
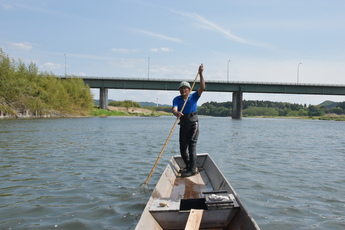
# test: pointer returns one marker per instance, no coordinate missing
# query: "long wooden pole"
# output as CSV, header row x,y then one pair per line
x,y
170,134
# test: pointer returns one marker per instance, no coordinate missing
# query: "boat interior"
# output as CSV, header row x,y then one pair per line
x,y
174,196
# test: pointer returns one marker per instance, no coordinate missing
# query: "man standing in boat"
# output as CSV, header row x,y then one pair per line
x,y
189,123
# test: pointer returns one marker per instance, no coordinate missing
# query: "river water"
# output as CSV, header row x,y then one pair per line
x,y
85,173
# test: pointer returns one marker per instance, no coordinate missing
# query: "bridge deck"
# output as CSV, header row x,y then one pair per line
x,y
217,86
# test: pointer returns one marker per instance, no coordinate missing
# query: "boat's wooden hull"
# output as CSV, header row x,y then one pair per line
x,y
183,194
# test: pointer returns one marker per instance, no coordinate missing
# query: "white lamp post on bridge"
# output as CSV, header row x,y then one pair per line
x,y
65,65
148,68
228,71
298,72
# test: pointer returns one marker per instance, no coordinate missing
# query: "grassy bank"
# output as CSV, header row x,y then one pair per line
x,y
107,113
130,111
333,117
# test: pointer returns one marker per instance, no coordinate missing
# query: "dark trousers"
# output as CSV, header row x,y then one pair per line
x,y
189,133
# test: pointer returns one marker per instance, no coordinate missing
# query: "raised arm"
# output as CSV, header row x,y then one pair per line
x,y
202,81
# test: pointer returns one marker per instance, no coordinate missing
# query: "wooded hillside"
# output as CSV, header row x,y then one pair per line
x,y
25,92
269,108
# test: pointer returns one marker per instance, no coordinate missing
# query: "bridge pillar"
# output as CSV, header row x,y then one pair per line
x,y
103,98
237,105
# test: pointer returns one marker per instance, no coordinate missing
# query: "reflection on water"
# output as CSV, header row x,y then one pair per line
x,y
86,173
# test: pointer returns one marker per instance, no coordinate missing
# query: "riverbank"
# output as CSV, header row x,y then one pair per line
x,y
130,111
142,112
112,111
333,117
51,114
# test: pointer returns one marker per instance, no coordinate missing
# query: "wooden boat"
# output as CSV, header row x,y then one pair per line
x,y
206,200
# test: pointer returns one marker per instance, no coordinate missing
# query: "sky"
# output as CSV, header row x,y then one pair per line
x,y
235,40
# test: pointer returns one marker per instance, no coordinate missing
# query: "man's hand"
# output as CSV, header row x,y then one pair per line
x,y
177,114
201,68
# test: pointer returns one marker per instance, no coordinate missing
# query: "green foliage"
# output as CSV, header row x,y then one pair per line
x,y
269,108
167,109
215,109
126,104
336,110
152,108
315,110
341,105
329,104
333,118
151,104
263,111
23,89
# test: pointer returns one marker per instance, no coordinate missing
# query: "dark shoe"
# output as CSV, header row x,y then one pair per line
x,y
184,170
189,173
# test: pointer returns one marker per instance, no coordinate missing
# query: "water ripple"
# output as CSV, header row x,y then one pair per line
x,y
86,173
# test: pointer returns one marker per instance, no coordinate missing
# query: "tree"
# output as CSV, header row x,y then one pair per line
x,y
23,88
337,110
315,111
126,103
260,111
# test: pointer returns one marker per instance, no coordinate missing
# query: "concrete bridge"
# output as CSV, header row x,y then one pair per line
x,y
237,88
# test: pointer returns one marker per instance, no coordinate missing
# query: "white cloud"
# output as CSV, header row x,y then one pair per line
x,y
165,49
162,49
50,66
162,36
206,24
124,50
21,45
6,6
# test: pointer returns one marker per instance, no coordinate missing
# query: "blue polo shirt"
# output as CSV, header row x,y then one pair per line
x,y
191,105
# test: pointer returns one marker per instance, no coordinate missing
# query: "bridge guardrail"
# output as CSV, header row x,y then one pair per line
x,y
208,81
